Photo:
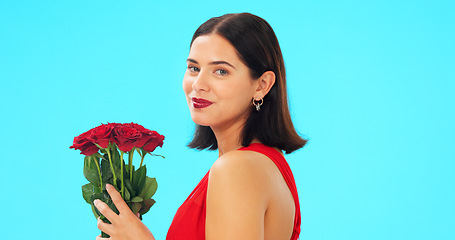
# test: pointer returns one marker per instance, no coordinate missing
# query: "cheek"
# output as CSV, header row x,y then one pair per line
x,y
187,84
237,100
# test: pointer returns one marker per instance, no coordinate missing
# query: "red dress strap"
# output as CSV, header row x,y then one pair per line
x,y
285,170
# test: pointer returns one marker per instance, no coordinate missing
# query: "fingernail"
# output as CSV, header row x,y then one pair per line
x,y
108,185
95,202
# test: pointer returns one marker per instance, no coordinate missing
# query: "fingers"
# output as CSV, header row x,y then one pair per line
x,y
105,210
105,227
117,199
100,238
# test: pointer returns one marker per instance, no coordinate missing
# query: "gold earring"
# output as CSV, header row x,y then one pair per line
x,y
258,104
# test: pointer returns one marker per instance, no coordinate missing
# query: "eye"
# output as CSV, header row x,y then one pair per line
x,y
221,72
193,68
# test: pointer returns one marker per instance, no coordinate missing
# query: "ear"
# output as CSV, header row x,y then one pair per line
x,y
264,84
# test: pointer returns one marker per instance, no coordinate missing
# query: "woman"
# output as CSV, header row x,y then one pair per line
x,y
235,86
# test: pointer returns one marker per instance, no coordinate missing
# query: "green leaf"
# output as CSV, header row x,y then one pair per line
x,y
135,207
91,170
127,195
94,211
149,189
112,206
139,179
115,157
129,186
138,152
101,196
126,174
146,205
137,199
156,155
88,190
106,171
98,155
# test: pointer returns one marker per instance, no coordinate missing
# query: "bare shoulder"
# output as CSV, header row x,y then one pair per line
x,y
237,196
246,165
243,172
247,198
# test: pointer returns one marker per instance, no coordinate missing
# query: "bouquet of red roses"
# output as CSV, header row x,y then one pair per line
x,y
104,148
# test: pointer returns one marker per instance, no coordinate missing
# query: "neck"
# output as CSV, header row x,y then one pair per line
x,y
228,138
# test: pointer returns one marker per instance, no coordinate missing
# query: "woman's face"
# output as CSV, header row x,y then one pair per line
x,y
217,84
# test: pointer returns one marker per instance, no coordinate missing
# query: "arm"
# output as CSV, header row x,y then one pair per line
x,y
237,198
125,226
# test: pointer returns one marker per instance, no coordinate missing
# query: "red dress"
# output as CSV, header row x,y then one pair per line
x,y
189,221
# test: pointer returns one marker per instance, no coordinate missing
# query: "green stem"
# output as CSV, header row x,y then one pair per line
x,y
99,171
142,159
130,163
122,191
112,166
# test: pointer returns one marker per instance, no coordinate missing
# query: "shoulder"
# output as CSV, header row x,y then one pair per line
x,y
245,191
238,159
242,172
237,196
243,164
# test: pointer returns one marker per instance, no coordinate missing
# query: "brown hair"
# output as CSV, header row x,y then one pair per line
x,y
258,48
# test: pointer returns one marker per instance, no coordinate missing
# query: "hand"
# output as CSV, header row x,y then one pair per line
x,y
125,225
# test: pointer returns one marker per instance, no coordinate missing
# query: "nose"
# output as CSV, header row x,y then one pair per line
x,y
201,82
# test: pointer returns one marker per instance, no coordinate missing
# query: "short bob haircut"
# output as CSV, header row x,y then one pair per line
x,y
258,48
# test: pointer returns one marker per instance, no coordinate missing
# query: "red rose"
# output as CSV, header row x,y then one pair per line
x,y
102,135
155,140
126,137
115,124
146,134
83,143
138,127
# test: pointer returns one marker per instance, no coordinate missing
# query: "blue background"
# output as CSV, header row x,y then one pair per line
x,y
371,85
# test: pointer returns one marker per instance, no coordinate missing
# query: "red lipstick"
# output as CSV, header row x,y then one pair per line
x,y
200,102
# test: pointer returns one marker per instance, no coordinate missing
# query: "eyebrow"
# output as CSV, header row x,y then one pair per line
x,y
212,63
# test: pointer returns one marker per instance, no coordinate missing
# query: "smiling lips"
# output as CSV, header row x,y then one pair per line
x,y
200,102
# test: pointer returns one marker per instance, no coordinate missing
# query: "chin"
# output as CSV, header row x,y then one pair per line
x,y
199,120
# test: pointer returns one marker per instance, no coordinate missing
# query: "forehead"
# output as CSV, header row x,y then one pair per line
x,y
213,47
